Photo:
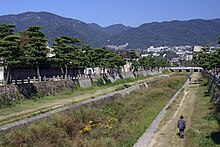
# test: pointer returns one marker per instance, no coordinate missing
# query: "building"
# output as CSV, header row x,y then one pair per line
x,y
153,49
197,49
189,57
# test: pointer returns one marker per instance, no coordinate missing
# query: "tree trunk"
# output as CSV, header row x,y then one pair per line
x,y
62,71
8,80
38,72
66,70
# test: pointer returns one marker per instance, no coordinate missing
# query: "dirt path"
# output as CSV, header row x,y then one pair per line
x,y
165,135
56,103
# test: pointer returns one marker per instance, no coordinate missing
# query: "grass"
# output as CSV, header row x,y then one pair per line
x,y
37,105
204,129
118,123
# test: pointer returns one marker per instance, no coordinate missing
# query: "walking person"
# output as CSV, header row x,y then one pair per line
x,y
190,78
181,125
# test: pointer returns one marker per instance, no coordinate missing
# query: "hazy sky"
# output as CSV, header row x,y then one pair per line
x,y
127,12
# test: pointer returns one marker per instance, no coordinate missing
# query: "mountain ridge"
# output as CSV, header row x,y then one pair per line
x,y
171,33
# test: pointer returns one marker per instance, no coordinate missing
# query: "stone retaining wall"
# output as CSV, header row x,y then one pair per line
x,y
11,94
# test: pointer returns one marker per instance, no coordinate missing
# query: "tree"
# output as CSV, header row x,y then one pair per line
x,y
35,51
160,62
118,61
144,62
10,51
209,61
100,58
6,29
67,52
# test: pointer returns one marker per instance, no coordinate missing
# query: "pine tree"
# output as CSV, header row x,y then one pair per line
x,y
67,52
35,51
10,52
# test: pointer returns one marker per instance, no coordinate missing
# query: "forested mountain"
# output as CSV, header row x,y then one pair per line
x,y
54,25
111,30
192,32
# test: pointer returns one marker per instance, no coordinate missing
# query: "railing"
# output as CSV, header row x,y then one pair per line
x,y
44,79
60,78
176,68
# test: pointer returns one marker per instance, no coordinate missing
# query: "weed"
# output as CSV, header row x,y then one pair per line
x,y
117,123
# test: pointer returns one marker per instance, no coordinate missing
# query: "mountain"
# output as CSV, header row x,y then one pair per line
x,y
192,32
96,26
116,29
111,30
54,25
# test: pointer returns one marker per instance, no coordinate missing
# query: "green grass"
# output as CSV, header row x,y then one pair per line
x,y
37,102
204,129
118,123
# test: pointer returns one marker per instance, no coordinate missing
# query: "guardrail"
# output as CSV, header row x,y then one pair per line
x,y
78,77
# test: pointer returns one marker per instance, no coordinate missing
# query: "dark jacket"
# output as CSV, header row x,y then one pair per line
x,y
181,124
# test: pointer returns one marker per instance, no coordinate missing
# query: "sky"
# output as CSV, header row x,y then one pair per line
x,y
108,12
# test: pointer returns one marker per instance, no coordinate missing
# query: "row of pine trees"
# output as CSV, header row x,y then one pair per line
x,y
29,49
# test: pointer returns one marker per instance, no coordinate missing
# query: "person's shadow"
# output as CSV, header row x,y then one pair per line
x,y
216,137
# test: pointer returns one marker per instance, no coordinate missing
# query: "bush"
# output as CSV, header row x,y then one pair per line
x,y
117,123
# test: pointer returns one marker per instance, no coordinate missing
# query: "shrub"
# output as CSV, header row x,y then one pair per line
x,y
116,123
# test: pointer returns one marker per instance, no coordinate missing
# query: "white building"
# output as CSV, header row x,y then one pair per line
x,y
153,49
157,49
189,57
145,55
197,48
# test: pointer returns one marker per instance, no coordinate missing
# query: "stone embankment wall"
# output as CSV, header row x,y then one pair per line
x,y
11,94
89,103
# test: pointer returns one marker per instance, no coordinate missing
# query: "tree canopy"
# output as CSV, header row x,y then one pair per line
x,y
29,49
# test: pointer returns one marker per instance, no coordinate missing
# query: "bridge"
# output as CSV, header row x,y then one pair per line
x,y
186,69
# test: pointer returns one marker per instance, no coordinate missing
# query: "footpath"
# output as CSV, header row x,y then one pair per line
x,y
163,130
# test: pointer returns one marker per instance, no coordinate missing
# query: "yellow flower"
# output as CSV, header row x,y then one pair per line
x,y
80,131
90,122
87,128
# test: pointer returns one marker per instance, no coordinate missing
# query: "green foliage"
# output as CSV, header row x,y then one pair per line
x,y
6,100
174,33
35,51
152,62
116,123
200,32
67,52
44,134
10,52
208,60
99,82
6,29
28,49
204,128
